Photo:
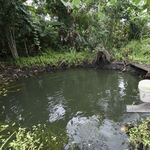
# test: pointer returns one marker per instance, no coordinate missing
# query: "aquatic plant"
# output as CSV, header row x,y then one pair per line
x,y
38,137
3,92
140,134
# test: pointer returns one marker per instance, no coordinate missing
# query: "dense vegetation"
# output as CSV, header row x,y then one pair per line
x,y
72,33
60,26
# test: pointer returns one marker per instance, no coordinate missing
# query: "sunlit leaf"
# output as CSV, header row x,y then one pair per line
x,y
66,4
108,4
13,124
42,34
137,1
114,1
100,14
148,2
75,2
36,41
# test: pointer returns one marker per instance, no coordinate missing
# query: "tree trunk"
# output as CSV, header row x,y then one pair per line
x,y
11,41
111,29
25,45
89,31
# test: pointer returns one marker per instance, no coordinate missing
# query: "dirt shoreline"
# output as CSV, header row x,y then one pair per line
x,y
12,74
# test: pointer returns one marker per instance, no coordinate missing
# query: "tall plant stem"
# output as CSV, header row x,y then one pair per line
x,y
10,34
25,45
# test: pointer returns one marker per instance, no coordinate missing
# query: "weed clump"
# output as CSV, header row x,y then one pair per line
x,y
52,58
135,51
140,135
38,137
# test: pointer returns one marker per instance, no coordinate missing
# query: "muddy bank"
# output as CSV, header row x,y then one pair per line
x,y
11,74
125,67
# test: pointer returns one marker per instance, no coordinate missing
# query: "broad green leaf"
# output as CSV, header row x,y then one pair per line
x,y
75,2
108,4
99,7
87,1
36,41
42,34
114,1
100,14
148,2
66,4
145,6
137,1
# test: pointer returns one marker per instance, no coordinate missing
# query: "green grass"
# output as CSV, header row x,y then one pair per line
x,y
50,58
135,51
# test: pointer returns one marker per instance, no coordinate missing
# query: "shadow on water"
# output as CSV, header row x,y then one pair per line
x,y
88,104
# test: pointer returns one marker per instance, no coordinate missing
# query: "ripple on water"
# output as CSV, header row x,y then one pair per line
x,y
88,104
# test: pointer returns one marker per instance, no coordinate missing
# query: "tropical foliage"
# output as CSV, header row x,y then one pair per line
x,y
27,30
53,32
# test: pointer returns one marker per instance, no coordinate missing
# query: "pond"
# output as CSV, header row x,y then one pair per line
x,y
88,104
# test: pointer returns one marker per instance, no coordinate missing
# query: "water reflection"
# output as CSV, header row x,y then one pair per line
x,y
93,132
88,104
56,113
121,84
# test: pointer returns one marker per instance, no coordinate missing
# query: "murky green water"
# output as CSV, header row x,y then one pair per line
x,y
90,105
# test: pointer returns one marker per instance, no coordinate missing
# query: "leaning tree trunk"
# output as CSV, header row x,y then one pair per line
x,y
11,41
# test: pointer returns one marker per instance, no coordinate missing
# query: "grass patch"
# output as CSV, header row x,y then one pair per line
x,y
52,58
135,51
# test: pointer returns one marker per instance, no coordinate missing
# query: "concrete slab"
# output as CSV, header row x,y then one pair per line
x,y
138,108
140,66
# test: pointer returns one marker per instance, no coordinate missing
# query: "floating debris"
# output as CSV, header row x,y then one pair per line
x,y
124,128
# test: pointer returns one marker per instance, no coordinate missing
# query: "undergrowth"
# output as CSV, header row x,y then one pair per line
x,y
135,51
140,134
52,58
